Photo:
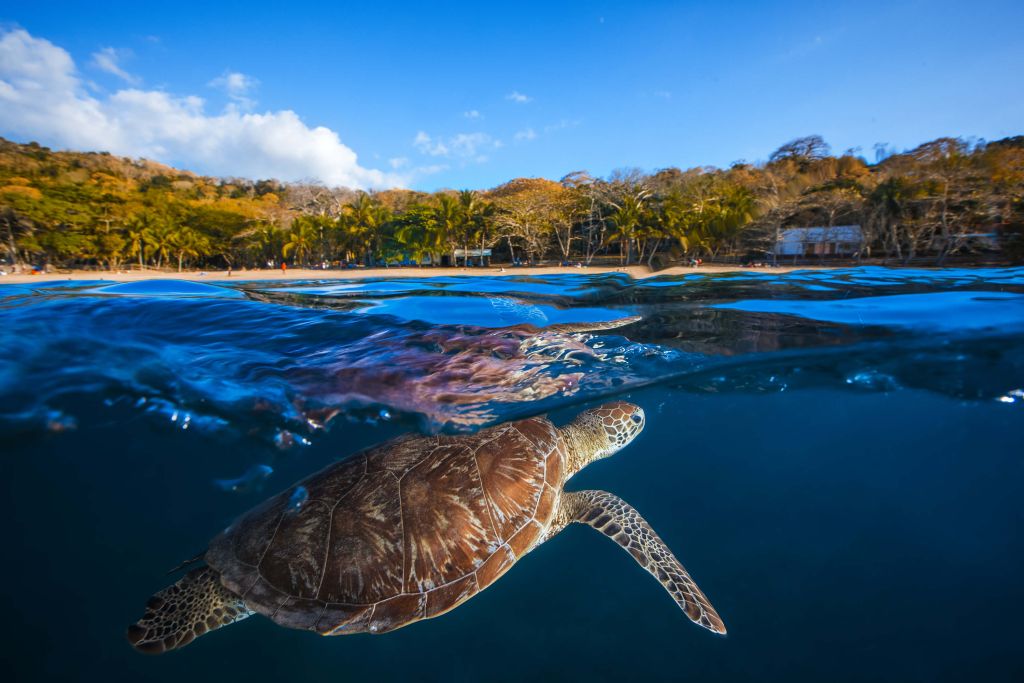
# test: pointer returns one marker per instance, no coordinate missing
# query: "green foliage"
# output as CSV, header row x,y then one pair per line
x,y
96,210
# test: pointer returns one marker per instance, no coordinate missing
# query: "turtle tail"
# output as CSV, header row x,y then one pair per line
x,y
179,614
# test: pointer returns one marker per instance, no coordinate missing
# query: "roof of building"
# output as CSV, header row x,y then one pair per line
x,y
819,233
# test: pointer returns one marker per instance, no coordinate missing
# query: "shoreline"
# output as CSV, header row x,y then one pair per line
x,y
636,272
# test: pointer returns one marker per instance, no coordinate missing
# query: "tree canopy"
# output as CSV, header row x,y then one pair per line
x,y
72,209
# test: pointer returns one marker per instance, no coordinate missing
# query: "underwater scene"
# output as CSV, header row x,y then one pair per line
x,y
834,456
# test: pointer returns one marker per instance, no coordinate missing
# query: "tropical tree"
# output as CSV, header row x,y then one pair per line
x,y
447,221
302,240
366,218
415,233
188,243
162,242
475,215
628,212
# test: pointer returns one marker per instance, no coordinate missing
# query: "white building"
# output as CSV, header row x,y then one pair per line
x,y
839,240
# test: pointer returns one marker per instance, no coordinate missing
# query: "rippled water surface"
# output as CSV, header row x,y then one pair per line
x,y
834,455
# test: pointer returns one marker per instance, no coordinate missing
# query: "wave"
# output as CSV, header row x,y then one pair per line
x,y
282,362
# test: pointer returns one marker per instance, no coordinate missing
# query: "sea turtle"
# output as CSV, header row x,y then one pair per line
x,y
410,529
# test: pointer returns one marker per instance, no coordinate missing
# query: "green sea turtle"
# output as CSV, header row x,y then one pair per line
x,y
410,529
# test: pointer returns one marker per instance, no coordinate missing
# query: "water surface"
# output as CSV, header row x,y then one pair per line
x,y
834,455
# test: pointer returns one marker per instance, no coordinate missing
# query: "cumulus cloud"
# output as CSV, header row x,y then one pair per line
x,y
471,114
462,145
109,59
518,97
42,98
526,134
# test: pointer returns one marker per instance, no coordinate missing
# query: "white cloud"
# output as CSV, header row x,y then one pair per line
x,y
108,59
526,134
468,144
237,86
398,162
42,98
471,114
428,145
518,97
462,145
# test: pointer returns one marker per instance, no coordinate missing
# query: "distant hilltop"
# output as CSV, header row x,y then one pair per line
x,y
948,198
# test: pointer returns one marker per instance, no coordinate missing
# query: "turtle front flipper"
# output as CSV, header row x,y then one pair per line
x,y
179,614
616,519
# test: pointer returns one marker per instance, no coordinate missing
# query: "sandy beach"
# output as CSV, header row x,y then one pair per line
x,y
637,272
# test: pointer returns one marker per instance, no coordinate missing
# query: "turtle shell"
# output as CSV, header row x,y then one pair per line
x,y
404,531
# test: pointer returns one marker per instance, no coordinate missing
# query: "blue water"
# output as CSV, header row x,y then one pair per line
x,y
834,455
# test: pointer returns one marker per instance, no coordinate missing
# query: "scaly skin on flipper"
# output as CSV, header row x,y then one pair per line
x,y
616,519
178,614
596,434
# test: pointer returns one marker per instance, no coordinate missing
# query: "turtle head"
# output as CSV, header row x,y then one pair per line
x,y
602,431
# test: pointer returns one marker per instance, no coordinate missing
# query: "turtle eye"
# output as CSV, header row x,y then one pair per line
x,y
635,418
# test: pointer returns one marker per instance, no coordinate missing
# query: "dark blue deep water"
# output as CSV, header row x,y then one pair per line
x,y
835,456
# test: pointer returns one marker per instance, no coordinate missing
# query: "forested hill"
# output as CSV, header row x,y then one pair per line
x,y
94,209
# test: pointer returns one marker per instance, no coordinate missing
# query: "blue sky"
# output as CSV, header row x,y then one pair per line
x,y
473,94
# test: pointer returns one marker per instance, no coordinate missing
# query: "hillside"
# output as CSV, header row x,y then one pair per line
x,y
92,209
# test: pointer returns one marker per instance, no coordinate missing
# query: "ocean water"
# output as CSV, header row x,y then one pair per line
x,y
836,457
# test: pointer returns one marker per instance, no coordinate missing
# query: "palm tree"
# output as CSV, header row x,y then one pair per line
x,y
733,211
161,241
475,215
264,240
189,243
366,218
415,232
627,215
150,230
137,239
302,239
447,218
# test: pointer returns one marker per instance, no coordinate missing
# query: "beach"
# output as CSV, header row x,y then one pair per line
x,y
636,272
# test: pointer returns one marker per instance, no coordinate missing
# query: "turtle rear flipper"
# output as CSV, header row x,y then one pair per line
x,y
180,613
